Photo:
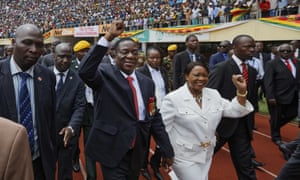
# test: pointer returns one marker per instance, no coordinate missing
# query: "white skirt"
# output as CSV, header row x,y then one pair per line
x,y
187,170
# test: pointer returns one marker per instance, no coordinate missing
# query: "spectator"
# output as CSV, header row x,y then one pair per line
x,y
264,6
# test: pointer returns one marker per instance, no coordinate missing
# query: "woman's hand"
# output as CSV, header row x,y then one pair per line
x,y
240,83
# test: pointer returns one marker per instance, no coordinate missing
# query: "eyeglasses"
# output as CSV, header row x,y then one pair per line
x,y
223,46
285,51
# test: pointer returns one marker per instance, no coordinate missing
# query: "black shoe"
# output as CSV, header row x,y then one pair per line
x,y
76,166
257,164
146,173
285,151
157,173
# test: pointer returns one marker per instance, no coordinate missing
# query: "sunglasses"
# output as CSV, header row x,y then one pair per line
x,y
285,51
223,46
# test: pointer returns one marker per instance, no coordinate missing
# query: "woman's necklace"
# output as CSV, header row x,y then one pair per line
x,y
198,98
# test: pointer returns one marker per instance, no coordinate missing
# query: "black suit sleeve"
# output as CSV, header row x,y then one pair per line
x,y
89,64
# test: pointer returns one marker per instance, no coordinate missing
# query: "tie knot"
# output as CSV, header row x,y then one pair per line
x,y
61,74
129,78
24,75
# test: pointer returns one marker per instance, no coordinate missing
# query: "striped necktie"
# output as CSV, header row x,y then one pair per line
x,y
25,109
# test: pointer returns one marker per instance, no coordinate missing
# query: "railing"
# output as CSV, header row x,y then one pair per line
x,y
177,22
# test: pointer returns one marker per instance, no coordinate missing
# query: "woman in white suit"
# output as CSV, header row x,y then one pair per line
x,y
191,115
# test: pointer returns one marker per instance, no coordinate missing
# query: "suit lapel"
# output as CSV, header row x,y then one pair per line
x,y
10,92
144,89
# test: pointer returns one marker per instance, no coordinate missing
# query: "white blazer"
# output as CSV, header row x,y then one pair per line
x,y
192,129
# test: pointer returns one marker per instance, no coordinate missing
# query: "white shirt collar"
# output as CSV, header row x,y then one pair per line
x,y
15,68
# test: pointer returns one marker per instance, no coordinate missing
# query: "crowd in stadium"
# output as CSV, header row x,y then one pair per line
x,y
136,14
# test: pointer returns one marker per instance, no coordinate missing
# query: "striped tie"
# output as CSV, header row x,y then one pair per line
x,y
25,110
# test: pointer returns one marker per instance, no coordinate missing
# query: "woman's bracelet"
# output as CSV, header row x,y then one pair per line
x,y
241,95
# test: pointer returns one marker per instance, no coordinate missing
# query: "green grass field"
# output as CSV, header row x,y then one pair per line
x,y
263,107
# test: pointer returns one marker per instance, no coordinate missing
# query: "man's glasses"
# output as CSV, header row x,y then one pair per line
x,y
285,51
223,46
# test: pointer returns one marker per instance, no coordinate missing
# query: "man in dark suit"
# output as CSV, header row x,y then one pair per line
x,y
70,106
181,59
124,110
159,75
296,48
290,170
220,56
281,87
48,59
16,72
237,132
80,49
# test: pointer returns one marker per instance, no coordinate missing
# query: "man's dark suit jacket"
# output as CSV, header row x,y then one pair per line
x,y
280,83
215,59
44,100
115,124
181,59
70,105
145,70
220,78
47,60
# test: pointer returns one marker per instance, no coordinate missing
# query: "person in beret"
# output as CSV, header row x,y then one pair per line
x,y
167,63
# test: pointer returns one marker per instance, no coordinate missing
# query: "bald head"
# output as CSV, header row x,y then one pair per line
x,y
28,46
28,28
63,56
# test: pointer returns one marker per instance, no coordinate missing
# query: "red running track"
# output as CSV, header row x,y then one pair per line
x,y
222,167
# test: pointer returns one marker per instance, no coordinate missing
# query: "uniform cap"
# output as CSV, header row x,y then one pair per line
x,y
80,45
172,47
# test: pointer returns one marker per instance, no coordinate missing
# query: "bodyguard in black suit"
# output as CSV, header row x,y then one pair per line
x,y
290,170
281,84
70,106
159,75
237,132
181,59
124,110
28,47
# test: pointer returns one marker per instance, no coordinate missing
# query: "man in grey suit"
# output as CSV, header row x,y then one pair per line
x,y
70,106
40,86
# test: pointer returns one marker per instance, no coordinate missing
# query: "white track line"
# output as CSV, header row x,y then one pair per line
x,y
260,168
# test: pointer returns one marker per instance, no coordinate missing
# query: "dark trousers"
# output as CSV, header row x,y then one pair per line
x,y
90,164
64,161
241,151
155,158
281,114
38,169
291,168
124,171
